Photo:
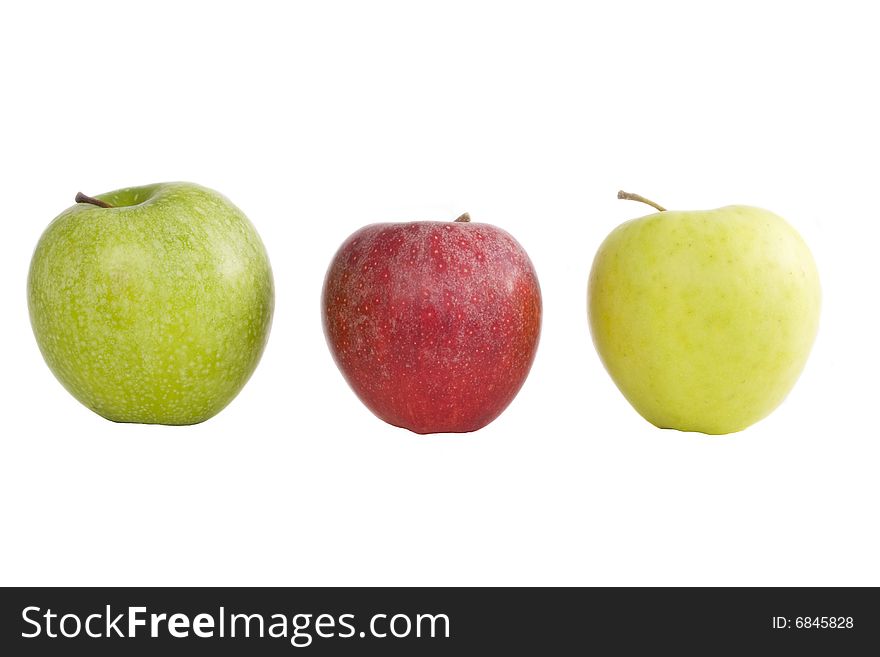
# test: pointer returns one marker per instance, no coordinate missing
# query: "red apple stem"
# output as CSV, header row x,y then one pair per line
x,y
463,219
627,196
82,198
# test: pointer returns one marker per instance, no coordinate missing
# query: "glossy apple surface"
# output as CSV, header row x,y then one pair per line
x,y
433,324
704,319
155,310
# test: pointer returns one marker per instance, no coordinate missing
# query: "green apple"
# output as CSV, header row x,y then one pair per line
x,y
704,320
152,304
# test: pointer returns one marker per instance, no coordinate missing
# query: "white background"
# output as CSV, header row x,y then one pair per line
x,y
318,119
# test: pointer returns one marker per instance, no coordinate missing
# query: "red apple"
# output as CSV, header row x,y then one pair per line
x,y
433,324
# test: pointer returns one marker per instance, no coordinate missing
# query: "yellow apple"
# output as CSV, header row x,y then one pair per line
x,y
704,319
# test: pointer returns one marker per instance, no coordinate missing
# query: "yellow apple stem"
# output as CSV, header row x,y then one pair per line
x,y
82,198
626,196
463,219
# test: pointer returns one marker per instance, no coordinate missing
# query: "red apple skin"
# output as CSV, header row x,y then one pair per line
x,y
433,324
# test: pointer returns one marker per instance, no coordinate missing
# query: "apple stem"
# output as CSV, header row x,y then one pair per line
x,y
626,196
82,198
463,219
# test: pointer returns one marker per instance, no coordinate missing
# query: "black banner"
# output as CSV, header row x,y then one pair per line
x,y
445,621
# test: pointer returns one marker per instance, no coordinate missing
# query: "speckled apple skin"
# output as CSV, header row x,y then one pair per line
x,y
155,311
433,324
704,319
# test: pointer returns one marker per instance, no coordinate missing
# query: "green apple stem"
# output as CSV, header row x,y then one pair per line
x,y
82,198
463,219
626,196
